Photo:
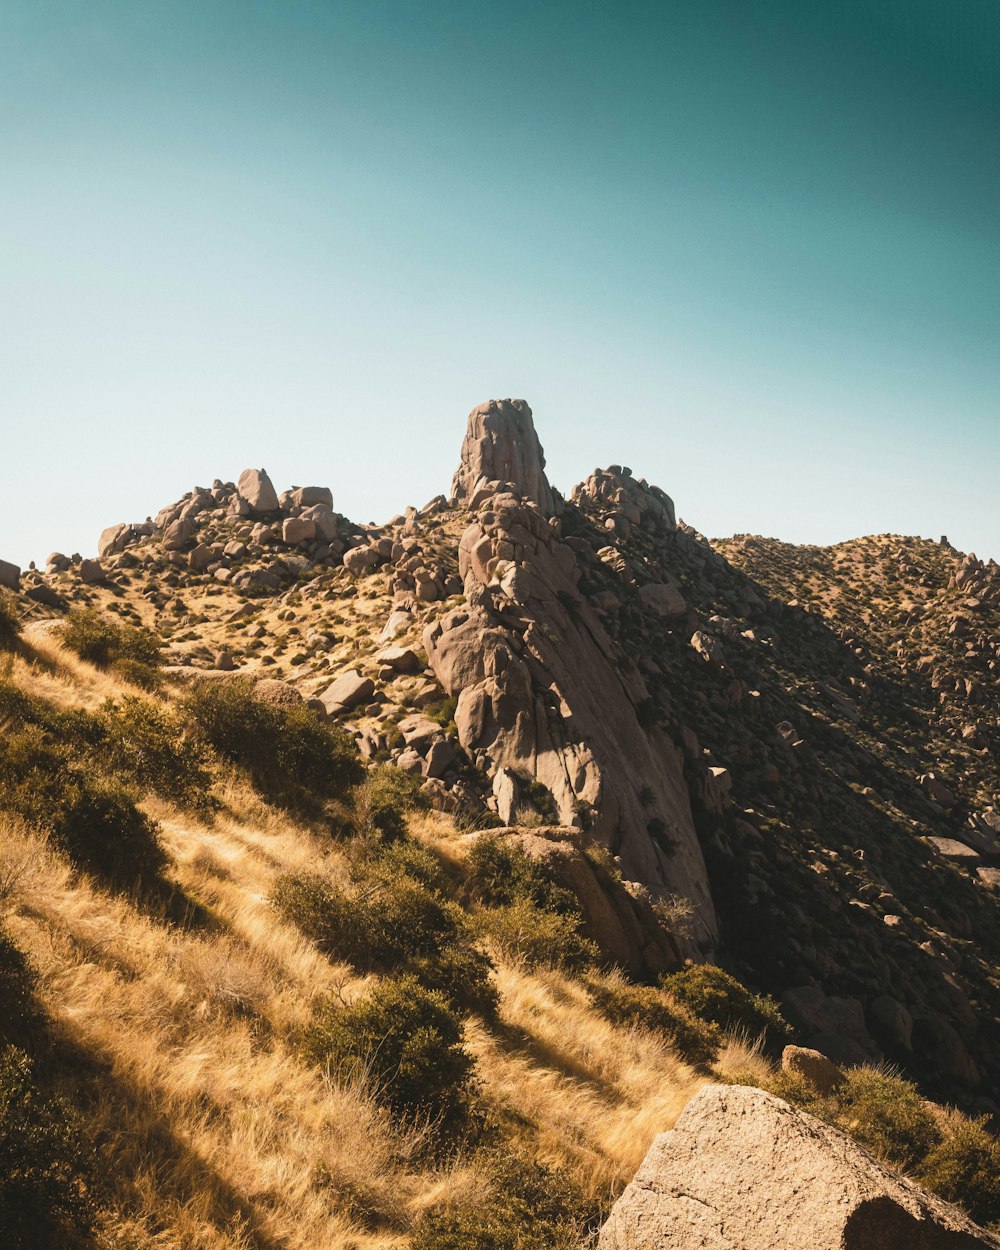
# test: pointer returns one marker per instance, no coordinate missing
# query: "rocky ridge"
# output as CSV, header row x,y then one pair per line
x,y
784,769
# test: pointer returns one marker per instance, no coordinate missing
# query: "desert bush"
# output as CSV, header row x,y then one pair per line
x,y
530,935
462,973
714,995
965,1168
696,1041
45,1171
289,752
387,794
94,821
501,873
528,1207
886,1114
406,1039
107,644
10,622
147,743
376,926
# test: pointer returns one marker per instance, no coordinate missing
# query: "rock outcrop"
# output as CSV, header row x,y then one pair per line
x,y
501,449
743,1170
544,696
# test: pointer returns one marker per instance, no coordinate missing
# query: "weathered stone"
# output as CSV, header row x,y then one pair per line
x,y
346,691
10,575
91,572
956,851
360,560
743,1170
255,488
324,519
178,534
296,529
307,496
813,1067
550,700
111,540
200,557
400,659
279,693
662,598
502,448
618,915
831,1024
439,757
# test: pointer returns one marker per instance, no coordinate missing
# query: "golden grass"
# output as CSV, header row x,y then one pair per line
x,y
179,1043
595,1094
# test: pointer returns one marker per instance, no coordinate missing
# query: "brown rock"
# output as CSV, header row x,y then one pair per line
x,y
297,529
346,691
814,1068
743,1170
255,488
501,449
10,575
307,496
551,700
91,572
662,598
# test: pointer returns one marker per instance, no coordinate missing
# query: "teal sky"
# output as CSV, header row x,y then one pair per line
x,y
751,249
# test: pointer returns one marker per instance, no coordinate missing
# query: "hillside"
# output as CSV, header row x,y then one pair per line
x,y
492,783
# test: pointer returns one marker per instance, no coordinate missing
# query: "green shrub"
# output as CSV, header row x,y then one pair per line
x,y
288,751
10,622
147,743
462,973
45,1171
527,1207
103,642
390,922
406,1039
965,1168
94,821
501,873
714,995
387,795
527,934
886,1114
376,927
696,1041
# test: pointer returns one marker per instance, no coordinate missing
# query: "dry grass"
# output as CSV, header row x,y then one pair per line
x,y
179,1043
595,1095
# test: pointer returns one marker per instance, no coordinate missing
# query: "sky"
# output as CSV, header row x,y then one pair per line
x,y
749,249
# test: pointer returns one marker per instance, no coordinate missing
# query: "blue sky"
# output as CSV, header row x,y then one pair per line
x,y
749,249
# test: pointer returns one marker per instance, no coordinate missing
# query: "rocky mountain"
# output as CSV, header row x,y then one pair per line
x,y
783,760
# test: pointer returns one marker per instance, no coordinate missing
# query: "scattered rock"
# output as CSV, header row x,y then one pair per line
x,y
347,691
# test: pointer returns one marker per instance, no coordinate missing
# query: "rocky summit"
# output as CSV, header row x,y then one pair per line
x,y
780,764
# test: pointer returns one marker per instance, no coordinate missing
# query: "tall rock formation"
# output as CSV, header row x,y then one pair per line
x,y
544,695
501,449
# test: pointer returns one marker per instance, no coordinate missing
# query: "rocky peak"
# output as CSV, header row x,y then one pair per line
x,y
501,452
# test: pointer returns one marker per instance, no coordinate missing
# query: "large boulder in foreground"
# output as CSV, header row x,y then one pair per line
x,y
743,1170
501,449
